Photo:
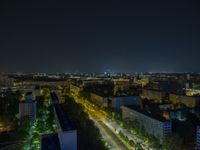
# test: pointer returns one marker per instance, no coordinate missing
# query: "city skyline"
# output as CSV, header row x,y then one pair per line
x,y
123,36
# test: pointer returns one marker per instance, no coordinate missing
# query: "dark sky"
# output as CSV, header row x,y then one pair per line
x,y
120,35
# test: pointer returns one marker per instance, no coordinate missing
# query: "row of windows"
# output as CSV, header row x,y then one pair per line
x,y
198,135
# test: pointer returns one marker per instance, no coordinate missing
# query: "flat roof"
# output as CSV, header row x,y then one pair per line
x,y
54,97
63,118
144,112
50,142
61,113
28,101
125,96
28,93
179,109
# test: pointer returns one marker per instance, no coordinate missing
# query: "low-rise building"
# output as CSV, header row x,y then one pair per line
x,y
29,96
178,114
120,85
165,106
92,81
27,110
155,95
68,134
50,142
36,91
118,101
6,81
99,100
66,137
74,89
154,125
182,99
198,137
141,82
192,92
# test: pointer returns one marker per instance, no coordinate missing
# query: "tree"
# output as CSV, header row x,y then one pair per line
x,y
9,105
172,142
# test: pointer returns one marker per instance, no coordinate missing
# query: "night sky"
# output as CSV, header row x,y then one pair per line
x,y
93,36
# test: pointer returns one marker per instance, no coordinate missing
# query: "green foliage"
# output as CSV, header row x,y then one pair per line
x,y
9,106
136,128
65,90
84,95
44,124
172,142
138,147
123,137
132,143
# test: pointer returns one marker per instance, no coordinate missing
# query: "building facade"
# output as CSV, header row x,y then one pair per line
x,y
117,102
198,137
66,137
99,100
28,110
120,85
156,126
156,96
75,89
182,99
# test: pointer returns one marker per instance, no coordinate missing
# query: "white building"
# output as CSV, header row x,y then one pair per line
x,y
198,138
154,125
27,110
66,137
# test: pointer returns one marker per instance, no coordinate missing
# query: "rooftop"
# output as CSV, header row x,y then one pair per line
x,y
50,142
61,113
28,101
28,93
54,97
63,118
124,96
144,112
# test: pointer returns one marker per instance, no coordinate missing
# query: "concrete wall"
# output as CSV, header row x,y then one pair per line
x,y
117,102
151,125
68,140
28,110
157,96
99,100
187,100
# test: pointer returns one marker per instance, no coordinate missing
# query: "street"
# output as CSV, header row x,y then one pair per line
x,y
109,136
